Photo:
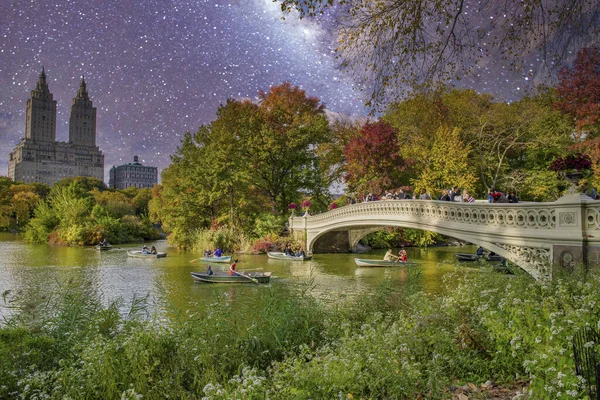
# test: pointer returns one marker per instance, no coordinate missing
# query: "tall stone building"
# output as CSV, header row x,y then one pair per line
x,y
135,174
39,157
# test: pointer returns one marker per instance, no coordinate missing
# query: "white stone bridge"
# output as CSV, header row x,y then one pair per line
x,y
534,236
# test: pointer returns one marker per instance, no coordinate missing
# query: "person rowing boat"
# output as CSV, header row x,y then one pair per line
x,y
232,268
389,256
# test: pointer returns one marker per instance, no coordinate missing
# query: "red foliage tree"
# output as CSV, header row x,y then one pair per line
x,y
579,90
372,160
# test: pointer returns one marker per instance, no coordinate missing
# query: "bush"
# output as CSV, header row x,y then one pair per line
x,y
396,342
267,224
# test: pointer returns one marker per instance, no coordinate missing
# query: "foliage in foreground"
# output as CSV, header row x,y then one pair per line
x,y
395,343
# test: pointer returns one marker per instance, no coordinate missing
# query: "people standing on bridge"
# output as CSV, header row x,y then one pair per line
x,y
455,194
501,198
495,195
512,197
467,198
590,191
445,195
424,195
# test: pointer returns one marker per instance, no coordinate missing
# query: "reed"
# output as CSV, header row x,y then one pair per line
x,y
396,342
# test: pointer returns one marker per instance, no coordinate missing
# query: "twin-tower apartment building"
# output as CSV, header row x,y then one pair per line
x,y
40,158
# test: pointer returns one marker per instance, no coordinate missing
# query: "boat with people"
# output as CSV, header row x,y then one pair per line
x,y
215,259
475,257
141,254
238,277
364,262
103,246
282,256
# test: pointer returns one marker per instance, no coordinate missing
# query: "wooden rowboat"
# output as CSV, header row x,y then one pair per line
x,y
103,247
222,259
475,257
224,277
282,256
139,254
363,262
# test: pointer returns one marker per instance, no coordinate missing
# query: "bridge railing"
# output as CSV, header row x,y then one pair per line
x,y
525,215
520,215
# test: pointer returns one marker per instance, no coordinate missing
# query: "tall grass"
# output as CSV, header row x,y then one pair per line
x,y
394,343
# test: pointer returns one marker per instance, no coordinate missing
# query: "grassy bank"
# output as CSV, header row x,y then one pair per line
x,y
396,343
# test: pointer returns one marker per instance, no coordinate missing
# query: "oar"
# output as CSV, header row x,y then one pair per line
x,y
196,259
248,277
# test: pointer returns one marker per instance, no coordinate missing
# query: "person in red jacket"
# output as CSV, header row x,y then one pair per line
x,y
232,268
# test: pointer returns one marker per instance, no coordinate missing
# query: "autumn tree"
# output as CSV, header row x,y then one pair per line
x,y
17,202
510,141
372,160
282,152
330,153
579,91
252,158
448,164
389,44
419,117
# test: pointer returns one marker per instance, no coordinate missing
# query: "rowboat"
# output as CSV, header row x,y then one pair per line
x,y
475,257
103,247
363,262
139,254
222,259
282,256
224,277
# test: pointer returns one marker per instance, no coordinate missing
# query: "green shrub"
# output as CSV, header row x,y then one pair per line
x,y
395,342
267,224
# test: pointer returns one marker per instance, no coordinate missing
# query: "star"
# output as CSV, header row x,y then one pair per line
x,y
155,70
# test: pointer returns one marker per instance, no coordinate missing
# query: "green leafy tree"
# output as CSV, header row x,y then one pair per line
x,y
448,163
252,157
527,135
330,153
116,203
282,153
505,138
42,224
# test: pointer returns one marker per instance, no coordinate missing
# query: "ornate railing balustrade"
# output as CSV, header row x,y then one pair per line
x,y
533,235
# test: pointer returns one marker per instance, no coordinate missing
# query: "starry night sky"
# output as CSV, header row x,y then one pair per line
x,y
157,68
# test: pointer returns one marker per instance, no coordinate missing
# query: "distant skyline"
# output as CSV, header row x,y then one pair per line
x,y
155,70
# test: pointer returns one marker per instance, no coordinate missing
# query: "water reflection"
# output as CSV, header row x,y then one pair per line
x,y
43,269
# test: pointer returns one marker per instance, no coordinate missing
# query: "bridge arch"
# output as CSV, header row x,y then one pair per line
x,y
533,261
535,236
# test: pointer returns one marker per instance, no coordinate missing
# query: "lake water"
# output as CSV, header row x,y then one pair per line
x,y
40,270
